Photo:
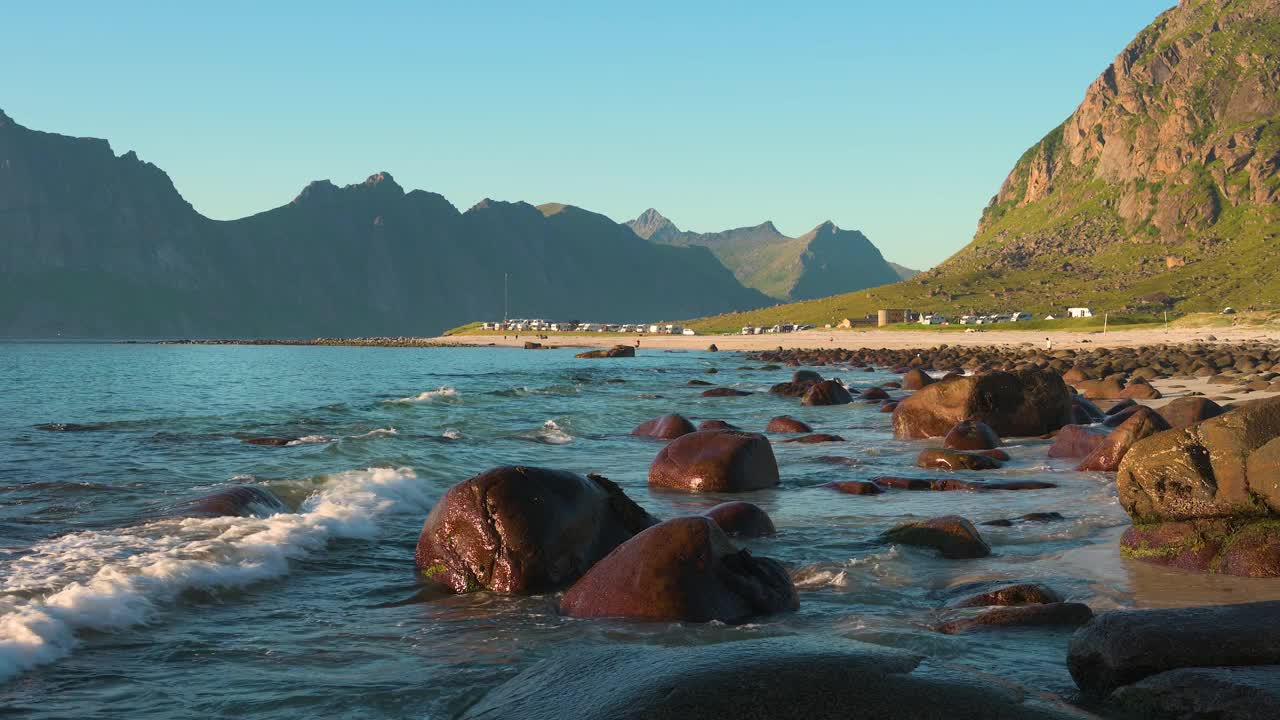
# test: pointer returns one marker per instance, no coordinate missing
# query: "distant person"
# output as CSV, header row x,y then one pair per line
x,y
1048,344
637,343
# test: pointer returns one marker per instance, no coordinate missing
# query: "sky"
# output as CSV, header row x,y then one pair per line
x,y
897,119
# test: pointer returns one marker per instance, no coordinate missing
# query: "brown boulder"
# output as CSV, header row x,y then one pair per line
x,y
827,392
1020,594
873,393
953,536
1185,411
1143,423
1017,404
742,519
971,435
1246,548
268,441
1141,390
686,569
717,425
522,530
715,461
1101,389
667,427
1076,441
1202,471
787,424
914,379
816,438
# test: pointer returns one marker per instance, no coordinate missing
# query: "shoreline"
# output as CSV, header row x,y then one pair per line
x,y
808,339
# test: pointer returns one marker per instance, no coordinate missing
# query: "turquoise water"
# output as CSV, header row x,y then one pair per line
x,y
108,608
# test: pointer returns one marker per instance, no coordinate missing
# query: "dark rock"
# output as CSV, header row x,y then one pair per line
x,y
1141,424
667,427
1123,647
1049,614
787,424
1018,404
268,441
971,435
699,383
742,519
1186,411
955,460
717,425
617,351
855,487
1076,441
1020,594
873,393
827,392
523,530
788,678
715,461
816,438
1203,693
953,536
685,569
235,501
725,392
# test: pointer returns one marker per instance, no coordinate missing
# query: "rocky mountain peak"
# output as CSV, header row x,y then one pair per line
x,y
382,181
5,120
650,223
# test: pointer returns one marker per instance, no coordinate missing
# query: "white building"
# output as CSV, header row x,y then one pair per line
x,y
1079,312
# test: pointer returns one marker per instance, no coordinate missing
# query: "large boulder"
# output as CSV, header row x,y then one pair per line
x,y
1185,411
1202,471
715,461
1013,404
799,384
1245,547
1142,423
827,392
952,536
685,569
955,460
234,501
667,427
522,530
784,678
1212,693
1123,647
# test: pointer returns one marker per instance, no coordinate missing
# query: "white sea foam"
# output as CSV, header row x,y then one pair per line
x,y
115,579
309,440
553,434
377,432
452,434
439,394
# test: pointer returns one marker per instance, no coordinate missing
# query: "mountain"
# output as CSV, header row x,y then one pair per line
x,y
904,272
1161,191
98,245
824,261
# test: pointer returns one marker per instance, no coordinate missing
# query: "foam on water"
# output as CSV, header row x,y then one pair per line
x,y
441,393
552,434
115,579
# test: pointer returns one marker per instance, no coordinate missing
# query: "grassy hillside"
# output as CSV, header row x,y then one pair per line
x,y
1160,192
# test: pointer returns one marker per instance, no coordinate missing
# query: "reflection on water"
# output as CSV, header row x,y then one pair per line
x,y
318,612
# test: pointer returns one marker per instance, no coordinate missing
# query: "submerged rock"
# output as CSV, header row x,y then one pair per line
x,y
235,501
955,460
717,425
617,351
971,435
715,461
1019,594
742,519
789,678
787,424
667,427
855,487
725,392
685,569
1035,615
523,530
952,536
827,392
816,438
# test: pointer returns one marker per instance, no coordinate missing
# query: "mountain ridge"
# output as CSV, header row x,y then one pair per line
x,y
98,245
783,267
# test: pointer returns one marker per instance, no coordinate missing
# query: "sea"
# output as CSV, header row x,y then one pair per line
x,y
112,606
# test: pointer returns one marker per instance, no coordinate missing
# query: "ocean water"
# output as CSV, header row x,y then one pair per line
x,y
107,607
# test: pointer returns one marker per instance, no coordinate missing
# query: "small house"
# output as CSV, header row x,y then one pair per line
x,y
1079,312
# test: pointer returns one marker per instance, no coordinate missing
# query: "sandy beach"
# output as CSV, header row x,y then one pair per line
x,y
889,339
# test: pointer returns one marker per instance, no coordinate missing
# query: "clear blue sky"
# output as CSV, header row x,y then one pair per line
x,y
899,119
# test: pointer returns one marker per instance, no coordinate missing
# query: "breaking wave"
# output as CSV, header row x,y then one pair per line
x,y
115,579
442,393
